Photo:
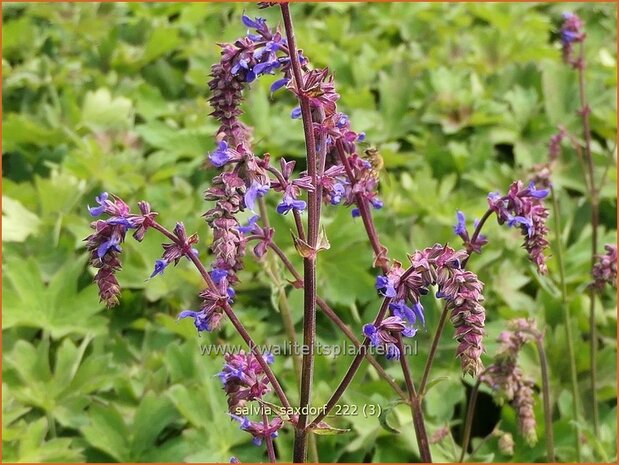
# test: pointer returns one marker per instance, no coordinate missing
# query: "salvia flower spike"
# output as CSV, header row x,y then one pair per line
x,y
523,208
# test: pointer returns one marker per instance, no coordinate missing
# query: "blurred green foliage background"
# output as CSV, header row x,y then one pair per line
x,y
461,99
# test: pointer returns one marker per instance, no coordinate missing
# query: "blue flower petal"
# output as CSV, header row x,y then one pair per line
x,y
160,265
460,227
296,113
96,211
279,84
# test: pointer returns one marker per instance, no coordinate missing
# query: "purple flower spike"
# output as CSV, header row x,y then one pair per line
x,y
385,335
244,380
104,244
507,379
572,32
355,213
605,268
441,265
259,430
160,265
522,206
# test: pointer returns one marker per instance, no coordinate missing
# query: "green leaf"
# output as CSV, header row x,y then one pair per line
x,y
102,112
33,447
57,307
384,414
323,429
107,431
151,417
560,93
17,222
162,41
395,89
23,129
434,382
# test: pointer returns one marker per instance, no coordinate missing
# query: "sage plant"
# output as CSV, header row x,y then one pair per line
x,y
573,39
337,175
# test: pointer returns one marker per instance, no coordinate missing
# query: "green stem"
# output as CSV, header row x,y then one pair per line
x,y
568,321
585,110
286,314
468,422
480,445
550,444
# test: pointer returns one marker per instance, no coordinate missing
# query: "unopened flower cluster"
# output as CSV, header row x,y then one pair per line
x,y
441,266
605,268
507,379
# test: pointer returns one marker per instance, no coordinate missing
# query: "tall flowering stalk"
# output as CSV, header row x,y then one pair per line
x,y
573,37
299,87
542,175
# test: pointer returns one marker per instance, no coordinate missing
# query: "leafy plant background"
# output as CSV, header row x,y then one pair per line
x,y
460,98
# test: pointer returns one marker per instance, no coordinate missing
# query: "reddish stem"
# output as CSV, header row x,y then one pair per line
x,y
415,404
231,315
309,263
